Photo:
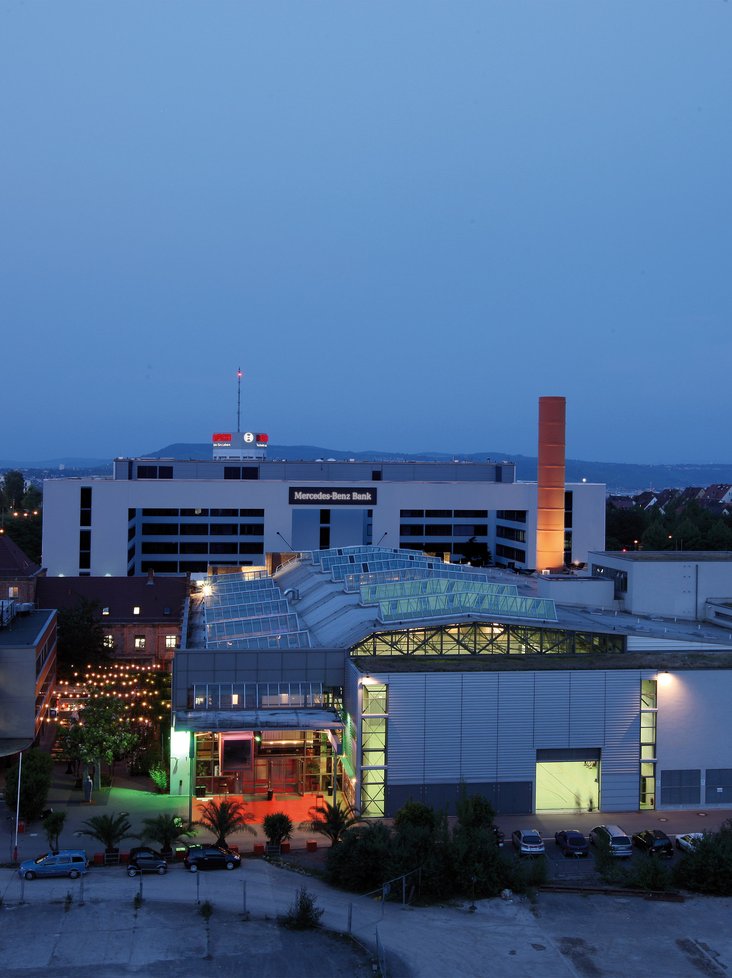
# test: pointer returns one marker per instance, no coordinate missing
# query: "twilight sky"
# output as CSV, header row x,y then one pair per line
x,y
404,220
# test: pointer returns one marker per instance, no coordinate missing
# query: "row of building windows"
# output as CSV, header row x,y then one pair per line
x,y
199,511
459,514
512,515
202,529
510,553
442,529
166,547
154,471
511,533
241,472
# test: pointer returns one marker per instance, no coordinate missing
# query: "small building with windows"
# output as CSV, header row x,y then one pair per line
x,y
381,675
27,673
141,618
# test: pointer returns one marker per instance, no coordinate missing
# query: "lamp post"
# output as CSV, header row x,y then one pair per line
x,y
17,808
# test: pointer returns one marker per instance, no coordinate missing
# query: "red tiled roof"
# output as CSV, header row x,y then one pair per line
x,y
13,562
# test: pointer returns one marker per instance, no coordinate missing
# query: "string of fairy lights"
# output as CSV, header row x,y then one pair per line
x,y
143,692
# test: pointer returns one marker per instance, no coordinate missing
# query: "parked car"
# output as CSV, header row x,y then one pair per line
x,y
612,836
689,841
528,842
210,857
65,862
572,842
654,842
146,860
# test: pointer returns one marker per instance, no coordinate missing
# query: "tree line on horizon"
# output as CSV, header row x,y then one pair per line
x,y
688,526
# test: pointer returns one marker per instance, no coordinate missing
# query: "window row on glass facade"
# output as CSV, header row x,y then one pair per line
x,y
489,638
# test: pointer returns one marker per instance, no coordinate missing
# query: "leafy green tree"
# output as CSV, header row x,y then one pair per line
x,y
32,499
80,636
332,820
53,825
166,829
103,733
719,537
13,488
35,783
687,535
655,537
277,827
26,532
225,817
110,830
416,813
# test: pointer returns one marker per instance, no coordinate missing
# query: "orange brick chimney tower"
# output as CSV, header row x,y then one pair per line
x,y
550,501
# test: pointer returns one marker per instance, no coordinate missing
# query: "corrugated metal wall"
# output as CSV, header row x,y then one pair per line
x,y
487,727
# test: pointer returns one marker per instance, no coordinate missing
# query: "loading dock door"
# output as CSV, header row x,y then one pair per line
x,y
568,780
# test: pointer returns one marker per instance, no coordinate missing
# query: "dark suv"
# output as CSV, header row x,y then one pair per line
x,y
210,857
654,842
145,860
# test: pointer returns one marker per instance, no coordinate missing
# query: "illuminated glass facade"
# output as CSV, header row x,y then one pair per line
x,y
487,638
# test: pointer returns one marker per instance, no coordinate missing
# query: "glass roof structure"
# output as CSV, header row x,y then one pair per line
x,y
324,558
341,585
426,606
414,572
249,627
252,609
338,571
287,640
250,612
374,593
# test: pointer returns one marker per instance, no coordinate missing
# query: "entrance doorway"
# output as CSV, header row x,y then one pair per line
x,y
564,786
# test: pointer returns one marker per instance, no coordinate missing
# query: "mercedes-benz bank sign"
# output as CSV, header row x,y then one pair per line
x,y
327,496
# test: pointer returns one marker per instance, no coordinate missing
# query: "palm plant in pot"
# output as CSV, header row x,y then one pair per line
x,y
332,821
165,830
110,830
223,818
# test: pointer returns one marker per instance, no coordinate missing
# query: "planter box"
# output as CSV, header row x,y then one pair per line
x,y
311,845
285,847
258,848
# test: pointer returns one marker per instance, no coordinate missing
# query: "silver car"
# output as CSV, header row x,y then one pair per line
x,y
528,842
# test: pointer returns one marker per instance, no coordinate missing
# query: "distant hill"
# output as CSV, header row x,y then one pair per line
x,y
619,477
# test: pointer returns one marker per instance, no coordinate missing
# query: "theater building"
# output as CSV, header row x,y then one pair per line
x,y
380,675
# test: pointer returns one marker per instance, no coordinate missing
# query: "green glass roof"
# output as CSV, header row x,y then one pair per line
x,y
374,593
429,606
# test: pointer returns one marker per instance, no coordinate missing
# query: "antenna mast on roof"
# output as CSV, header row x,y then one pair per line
x,y
238,401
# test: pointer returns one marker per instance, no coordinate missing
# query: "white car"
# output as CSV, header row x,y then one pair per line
x,y
689,841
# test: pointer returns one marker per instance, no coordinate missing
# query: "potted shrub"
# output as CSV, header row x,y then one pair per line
x,y
278,829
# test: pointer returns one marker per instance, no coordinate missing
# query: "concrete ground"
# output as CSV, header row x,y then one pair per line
x,y
91,926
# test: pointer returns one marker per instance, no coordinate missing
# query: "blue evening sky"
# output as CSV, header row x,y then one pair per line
x,y
405,219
